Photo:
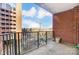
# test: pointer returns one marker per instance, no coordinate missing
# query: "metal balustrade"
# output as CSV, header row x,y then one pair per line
x,y
23,42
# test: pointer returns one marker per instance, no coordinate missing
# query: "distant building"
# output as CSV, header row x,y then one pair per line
x,y
26,30
9,18
35,29
42,29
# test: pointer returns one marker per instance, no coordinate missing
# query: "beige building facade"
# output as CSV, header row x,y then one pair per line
x,y
10,18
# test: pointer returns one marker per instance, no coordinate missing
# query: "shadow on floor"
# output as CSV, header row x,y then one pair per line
x,y
77,51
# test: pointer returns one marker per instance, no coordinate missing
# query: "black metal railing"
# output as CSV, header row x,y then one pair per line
x,y
22,42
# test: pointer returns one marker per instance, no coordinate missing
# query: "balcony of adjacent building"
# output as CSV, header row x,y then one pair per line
x,y
7,11
38,42
3,20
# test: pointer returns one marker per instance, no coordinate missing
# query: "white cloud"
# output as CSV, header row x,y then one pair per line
x,y
50,26
28,23
42,13
30,12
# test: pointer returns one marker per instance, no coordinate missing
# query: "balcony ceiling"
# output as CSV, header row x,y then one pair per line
x,y
57,7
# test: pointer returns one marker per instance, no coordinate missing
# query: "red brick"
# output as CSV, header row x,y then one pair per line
x,y
66,25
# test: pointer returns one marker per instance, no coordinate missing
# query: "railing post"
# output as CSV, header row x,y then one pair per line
x,y
38,38
54,35
15,44
18,44
10,42
46,37
3,46
7,43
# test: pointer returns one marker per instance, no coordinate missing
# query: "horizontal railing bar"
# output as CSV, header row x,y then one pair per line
x,y
24,40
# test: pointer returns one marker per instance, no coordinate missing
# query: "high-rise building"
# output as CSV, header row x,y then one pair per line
x,y
9,18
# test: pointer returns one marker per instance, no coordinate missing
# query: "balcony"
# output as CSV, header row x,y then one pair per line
x,y
19,43
7,13
34,43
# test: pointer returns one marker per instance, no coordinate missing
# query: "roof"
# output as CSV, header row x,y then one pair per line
x,y
57,7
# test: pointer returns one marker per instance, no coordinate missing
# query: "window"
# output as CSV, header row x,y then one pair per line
x,y
2,10
10,27
7,11
3,32
7,19
10,16
7,15
7,32
10,23
3,27
14,12
3,14
14,16
10,20
7,23
3,23
14,9
10,11
3,18
14,28
14,24
7,28
14,20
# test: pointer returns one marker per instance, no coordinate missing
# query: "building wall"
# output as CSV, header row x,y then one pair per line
x,y
65,25
7,18
10,18
18,17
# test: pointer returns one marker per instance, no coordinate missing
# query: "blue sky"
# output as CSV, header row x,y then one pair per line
x,y
33,16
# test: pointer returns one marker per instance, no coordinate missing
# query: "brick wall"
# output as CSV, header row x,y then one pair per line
x,y
65,25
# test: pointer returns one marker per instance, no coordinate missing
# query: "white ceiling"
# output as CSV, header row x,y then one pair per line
x,y
58,7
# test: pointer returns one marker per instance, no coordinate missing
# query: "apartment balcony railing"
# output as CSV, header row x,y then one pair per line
x,y
8,12
23,42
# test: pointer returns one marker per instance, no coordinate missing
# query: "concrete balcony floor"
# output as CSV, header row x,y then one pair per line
x,y
53,48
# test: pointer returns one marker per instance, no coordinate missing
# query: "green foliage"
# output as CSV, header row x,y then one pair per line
x,y
77,46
